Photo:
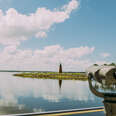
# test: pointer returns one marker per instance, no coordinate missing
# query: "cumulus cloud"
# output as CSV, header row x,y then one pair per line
x,y
16,27
71,6
41,35
104,55
47,58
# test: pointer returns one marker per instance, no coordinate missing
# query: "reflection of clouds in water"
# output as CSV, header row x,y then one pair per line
x,y
38,110
13,87
51,98
77,90
73,90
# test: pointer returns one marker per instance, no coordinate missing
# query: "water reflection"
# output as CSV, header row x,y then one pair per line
x,y
19,95
60,84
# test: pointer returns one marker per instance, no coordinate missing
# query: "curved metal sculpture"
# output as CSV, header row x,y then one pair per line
x,y
104,75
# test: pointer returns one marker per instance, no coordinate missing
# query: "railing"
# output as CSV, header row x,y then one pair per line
x,y
62,112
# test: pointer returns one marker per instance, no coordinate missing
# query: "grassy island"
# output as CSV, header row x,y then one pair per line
x,y
53,75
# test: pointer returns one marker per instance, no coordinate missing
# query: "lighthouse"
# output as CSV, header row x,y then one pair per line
x,y
60,71
60,68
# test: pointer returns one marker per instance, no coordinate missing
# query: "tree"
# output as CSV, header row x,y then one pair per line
x,y
96,65
112,64
105,64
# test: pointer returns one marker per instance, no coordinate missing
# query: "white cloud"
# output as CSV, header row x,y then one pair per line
x,y
45,59
16,27
104,55
41,35
71,6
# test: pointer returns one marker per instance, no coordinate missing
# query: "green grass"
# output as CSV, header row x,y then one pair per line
x,y
54,75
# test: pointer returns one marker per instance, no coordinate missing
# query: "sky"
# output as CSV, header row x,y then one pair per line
x,y
41,34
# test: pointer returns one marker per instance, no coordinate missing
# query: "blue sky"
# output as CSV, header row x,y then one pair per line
x,y
89,24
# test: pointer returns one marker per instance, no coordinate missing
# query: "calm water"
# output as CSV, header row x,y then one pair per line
x,y
24,95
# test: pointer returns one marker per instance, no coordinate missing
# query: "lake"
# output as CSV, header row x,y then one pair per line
x,y
25,95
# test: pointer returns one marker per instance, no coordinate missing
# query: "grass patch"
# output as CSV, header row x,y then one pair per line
x,y
54,75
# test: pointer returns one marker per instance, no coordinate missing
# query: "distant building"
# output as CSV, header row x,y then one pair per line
x,y
60,68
